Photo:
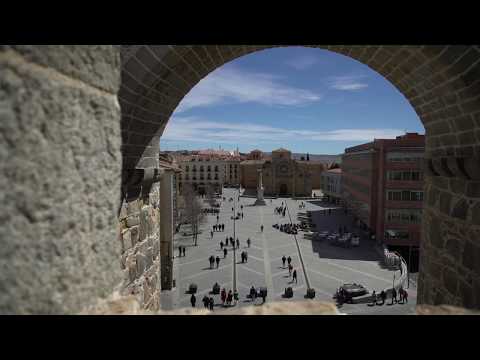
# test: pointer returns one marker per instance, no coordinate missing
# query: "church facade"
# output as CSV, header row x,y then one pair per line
x,y
282,175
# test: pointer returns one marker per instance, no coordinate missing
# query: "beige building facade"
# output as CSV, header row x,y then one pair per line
x,y
282,175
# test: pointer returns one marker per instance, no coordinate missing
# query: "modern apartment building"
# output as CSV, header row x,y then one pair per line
x,y
382,183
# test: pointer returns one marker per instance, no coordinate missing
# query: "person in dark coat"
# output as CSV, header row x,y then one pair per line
x,y
193,300
283,260
246,256
295,276
383,296
224,253
394,295
223,296
218,261
253,293
238,244
289,260
248,242
221,245
290,268
183,250
179,251
211,302
261,228
205,301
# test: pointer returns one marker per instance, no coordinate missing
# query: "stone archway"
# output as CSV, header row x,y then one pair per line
x,y
67,156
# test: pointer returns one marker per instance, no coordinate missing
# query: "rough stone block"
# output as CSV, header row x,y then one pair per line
x,y
445,203
96,65
133,207
450,281
473,189
141,263
149,257
134,235
133,220
56,217
469,256
126,240
123,212
460,209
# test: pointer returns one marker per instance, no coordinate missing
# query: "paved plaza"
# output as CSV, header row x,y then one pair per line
x,y
326,267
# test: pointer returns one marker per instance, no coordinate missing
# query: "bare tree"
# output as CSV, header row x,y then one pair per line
x,y
193,212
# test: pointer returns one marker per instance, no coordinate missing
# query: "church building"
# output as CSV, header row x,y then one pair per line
x,y
282,175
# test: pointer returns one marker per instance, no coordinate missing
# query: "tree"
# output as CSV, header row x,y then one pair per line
x,y
193,210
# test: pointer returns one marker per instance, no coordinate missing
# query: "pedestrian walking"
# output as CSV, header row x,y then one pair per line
x,y
205,301
248,242
218,261
394,296
224,253
211,303
242,255
295,276
253,293
405,296
238,244
400,295
283,261
246,256
223,227
217,218
221,245
289,260
242,215
374,298
229,297
179,251
211,234
223,296
290,267
193,300
235,296
383,296
183,250
261,228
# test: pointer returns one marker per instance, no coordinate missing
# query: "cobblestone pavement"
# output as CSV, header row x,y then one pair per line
x,y
326,267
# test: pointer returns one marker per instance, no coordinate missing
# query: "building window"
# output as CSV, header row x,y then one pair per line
x,y
201,168
187,168
405,175
216,168
396,235
404,195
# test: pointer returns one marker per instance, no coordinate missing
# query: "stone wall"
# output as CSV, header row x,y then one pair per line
x,y
60,177
139,235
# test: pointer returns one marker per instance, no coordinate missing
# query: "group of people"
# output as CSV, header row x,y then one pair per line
x,y
181,250
211,211
254,294
291,271
402,293
227,298
212,260
288,228
281,210
208,302
244,256
218,227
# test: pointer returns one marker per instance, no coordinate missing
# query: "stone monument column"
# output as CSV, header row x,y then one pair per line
x,y
260,200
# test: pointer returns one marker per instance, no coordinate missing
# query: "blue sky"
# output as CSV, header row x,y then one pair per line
x,y
306,100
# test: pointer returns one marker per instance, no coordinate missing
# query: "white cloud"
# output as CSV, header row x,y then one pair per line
x,y
347,83
302,62
232,85
195,129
